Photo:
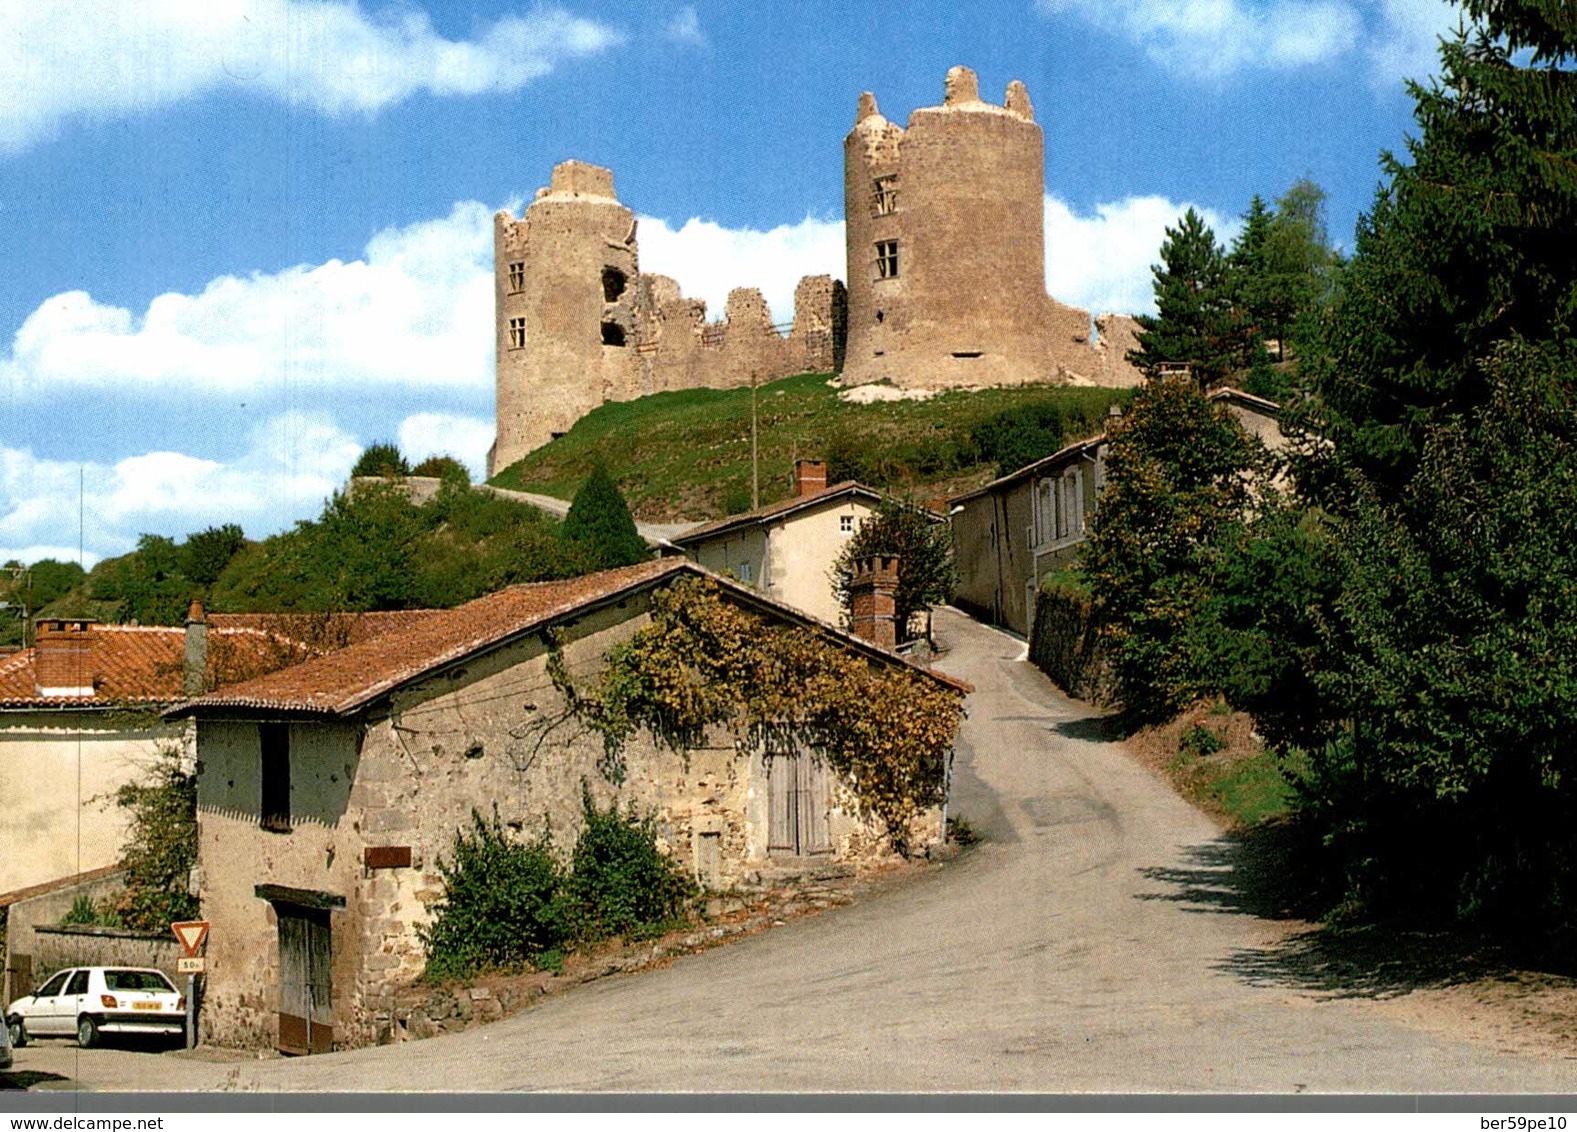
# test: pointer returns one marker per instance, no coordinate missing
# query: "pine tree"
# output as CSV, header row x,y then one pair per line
x,y
1194,323
1472,242
1449,456
599,522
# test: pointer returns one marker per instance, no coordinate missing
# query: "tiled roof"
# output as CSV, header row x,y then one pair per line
x,y
145,664
344,682
778,510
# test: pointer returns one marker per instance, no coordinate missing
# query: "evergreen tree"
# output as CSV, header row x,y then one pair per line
x,y
1472,242
1179,475
1449,457
1195,323
599,523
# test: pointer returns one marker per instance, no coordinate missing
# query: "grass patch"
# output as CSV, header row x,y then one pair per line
x,y
1212,757
685,455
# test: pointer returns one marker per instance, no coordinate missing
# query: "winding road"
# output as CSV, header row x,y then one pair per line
x,y
1097,940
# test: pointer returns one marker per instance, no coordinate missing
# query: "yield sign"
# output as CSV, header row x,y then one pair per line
x,y
191,934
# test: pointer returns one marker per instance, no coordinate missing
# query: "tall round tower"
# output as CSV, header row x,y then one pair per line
x,y
945,226
560,276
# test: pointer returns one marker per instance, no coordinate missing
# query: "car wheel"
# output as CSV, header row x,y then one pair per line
x,y
18,1032
87,1032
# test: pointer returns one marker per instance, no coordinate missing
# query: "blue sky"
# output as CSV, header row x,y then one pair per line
x,y
246,238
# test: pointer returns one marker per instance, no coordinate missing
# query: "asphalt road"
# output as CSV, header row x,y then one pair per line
x,y
1095,941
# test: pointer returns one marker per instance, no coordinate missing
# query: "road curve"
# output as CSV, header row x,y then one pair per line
x,y
1088,944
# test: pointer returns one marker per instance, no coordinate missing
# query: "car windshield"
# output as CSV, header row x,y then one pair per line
x,y
136,980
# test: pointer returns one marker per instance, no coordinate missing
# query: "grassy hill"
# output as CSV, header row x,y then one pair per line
x,y
686,455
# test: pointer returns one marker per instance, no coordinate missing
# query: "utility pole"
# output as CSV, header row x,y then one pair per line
x,y
755,461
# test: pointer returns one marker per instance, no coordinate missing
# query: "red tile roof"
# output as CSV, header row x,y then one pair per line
x,y
145,664
348,680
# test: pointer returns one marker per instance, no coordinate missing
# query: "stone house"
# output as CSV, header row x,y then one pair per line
x,y
328,794
1019,528
80,716
787,549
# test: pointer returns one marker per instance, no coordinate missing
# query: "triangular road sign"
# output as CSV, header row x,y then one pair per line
x,y
191,934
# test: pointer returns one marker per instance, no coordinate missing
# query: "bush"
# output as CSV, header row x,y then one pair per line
x,y
503,903
1018,436
161,845
382,459
620,882
445,468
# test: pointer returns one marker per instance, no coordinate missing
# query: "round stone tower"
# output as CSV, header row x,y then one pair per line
x,y
945,226
561,273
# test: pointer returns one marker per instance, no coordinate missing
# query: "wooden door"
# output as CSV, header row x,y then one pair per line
x,y
799,794
306,999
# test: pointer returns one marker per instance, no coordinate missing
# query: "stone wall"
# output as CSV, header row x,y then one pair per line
x,y
494,733
1066,645
78,946
578,324
47,906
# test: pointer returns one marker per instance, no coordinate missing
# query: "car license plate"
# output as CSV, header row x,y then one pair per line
x,y
147,1006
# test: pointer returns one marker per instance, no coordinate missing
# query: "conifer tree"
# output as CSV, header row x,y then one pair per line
x,y
599,522
1194,323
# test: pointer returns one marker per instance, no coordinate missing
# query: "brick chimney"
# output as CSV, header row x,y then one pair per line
x,y
871,593
810,476
195,658
63,657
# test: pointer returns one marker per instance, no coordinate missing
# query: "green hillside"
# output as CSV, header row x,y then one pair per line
x,y
686,455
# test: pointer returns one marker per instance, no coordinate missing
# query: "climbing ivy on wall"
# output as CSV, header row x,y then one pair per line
x,y
704,663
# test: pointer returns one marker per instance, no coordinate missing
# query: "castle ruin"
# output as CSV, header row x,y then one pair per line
x,y
946,237
579,324
945,230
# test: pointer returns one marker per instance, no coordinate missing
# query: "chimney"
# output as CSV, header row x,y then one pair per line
x,y
810,476
871,594
195,660
63,657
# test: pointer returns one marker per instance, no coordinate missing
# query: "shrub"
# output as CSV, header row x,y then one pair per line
x,y
161,845
1199,741
503,902
1018,436
382,459
620,882
83,911
446,468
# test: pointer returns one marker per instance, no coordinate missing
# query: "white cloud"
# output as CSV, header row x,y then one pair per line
x,y
708,260
60,60
1101,262
467,439
685,27
287,466
416,310
1406,44
1215,39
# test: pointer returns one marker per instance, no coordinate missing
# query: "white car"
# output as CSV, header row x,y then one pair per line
x,y
88,1001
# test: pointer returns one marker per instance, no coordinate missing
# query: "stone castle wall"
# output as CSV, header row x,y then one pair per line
x,y
578,324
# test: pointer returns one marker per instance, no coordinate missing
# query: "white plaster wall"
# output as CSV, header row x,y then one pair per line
x,y
58,775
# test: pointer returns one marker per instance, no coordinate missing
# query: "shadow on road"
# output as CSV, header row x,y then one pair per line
x,y
1252,873
21,1080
